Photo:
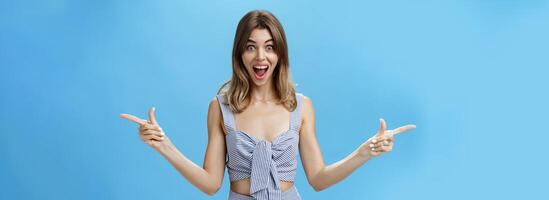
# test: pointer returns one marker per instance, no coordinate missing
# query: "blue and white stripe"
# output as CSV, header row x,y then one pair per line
x,y
264,163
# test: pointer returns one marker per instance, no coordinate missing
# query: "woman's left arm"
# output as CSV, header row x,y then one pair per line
x,y
320,176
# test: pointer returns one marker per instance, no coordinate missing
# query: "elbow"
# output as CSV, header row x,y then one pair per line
x,y
210,191
316,183
317,188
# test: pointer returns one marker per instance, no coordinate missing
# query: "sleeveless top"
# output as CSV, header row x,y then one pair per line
x,y
264,162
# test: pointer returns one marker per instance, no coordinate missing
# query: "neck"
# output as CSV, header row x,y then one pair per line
x,y
263,93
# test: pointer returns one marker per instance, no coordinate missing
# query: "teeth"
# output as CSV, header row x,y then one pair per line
x,y
260,67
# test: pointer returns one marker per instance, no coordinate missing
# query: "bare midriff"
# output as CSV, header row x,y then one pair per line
x,y
243,186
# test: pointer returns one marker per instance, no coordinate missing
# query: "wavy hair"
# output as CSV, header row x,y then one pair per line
x,y
236,91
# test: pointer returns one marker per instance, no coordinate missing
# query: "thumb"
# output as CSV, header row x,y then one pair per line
x,y
151,116
382,127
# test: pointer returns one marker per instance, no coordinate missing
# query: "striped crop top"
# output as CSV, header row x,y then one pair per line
x,y
264,162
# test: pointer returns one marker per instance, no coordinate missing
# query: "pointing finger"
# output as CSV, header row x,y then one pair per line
x,y
133,118
151,116
404,129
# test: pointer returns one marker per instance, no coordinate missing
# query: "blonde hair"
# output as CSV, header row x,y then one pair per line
x,y
237,90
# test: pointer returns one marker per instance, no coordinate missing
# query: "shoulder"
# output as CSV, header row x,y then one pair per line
x,y
215,116
306,102
307,108
307,99
307,111
214,109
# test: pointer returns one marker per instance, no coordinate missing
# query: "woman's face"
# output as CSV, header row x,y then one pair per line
x,y
259,57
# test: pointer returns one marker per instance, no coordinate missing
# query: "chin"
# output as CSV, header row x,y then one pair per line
x,y
263,82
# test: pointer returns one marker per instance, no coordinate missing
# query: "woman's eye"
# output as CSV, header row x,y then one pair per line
x,y
270,47
250,48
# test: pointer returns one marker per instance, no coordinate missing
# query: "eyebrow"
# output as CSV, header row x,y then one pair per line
x,y
269,40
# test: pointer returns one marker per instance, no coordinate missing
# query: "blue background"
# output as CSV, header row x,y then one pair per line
x,y
472,75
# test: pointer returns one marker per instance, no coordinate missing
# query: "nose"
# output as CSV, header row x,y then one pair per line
x,y
260,55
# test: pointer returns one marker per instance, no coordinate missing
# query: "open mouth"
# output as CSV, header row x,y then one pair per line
x,y
260,71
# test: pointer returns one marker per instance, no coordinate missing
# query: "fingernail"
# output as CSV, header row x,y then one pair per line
x,y
371,145
374,141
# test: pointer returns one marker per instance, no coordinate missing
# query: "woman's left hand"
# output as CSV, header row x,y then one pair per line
x,y
382,141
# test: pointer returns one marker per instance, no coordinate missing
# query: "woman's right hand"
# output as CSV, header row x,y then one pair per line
x,y
149,131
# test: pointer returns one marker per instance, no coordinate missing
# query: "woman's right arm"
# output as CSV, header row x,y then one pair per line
x,y
209,177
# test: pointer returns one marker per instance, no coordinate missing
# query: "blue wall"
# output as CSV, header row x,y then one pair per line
x,y
472,75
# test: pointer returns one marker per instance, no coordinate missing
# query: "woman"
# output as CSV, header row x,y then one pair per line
x,y
257,124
